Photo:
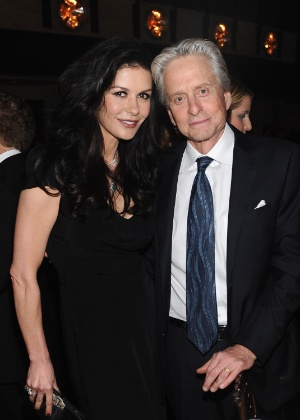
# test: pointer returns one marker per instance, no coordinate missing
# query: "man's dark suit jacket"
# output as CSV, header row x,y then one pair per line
x,y
13,356
263,259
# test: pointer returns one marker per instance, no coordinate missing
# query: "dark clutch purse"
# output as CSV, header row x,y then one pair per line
x,y
62,409
244,399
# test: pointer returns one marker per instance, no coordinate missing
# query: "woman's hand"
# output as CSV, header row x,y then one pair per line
x,y
40,383
37,212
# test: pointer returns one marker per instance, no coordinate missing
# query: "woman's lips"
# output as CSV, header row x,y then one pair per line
x,y
129,123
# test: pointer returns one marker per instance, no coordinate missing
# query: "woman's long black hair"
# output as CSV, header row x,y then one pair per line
x,y
72,161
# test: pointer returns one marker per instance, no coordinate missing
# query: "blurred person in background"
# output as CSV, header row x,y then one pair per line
x,y
17,130
238,113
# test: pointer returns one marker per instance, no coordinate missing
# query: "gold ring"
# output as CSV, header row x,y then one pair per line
x,y
227,370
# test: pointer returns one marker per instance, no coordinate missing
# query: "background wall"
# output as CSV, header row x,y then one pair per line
x,y
36,47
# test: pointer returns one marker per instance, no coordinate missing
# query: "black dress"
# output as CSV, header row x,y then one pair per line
x,y
107,311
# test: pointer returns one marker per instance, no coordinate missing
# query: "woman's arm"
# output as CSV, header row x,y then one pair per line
x,y
37,212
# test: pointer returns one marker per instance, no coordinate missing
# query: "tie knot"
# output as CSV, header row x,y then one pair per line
x,y
203,162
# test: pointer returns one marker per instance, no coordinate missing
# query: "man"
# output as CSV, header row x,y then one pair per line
x,y
250,282
17,128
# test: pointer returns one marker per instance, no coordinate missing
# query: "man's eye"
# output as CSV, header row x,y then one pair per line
x,y
202,92
178,99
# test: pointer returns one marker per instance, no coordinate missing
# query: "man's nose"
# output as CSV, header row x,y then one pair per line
x,y
194,106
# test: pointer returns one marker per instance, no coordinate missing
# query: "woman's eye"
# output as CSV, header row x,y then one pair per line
x,y
242,116
144,95
120,93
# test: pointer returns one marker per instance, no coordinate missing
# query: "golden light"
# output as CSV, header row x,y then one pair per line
x,y
156,23
270,43
222,35
72,13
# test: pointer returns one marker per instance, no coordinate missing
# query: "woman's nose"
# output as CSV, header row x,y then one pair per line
x,y
132,106
247,124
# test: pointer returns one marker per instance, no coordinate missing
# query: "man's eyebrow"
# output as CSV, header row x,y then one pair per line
x,y
201,85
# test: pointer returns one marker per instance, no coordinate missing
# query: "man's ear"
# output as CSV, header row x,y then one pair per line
x,y
228,99
171,118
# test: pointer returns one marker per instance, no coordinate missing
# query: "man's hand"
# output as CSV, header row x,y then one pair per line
x,y
224,366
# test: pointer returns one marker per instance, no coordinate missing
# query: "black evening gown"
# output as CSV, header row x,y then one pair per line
x,y
107,313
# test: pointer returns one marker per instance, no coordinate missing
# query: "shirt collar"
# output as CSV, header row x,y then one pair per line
x,y
8,154
222,151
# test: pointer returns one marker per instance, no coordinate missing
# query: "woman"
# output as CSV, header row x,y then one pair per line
x,y
239,112
88,206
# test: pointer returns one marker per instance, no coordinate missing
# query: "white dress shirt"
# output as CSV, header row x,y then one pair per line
x,y
219,175
8,154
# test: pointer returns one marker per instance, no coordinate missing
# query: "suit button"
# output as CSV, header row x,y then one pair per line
x,y
163,335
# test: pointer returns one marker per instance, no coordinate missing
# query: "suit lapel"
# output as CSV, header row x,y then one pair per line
x,y
243,175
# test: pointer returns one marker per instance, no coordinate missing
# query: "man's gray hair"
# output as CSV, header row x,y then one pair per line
x,y
191,46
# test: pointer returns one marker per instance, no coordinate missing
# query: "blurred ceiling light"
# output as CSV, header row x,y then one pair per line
x,y
156,23
270,43
222,35
72,13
